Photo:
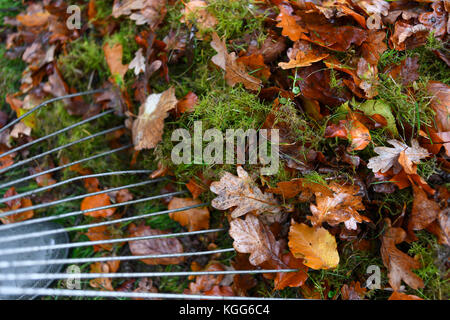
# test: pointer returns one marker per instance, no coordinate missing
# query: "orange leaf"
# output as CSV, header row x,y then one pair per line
x,y
195,219
113,57
96,201
316,245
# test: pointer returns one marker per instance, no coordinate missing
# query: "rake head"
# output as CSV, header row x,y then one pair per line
x,y
35,252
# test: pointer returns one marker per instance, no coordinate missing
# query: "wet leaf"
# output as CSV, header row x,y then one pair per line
x,y
194,219
99,200
399,264
252,236
148,127
315,245
155,246
241,192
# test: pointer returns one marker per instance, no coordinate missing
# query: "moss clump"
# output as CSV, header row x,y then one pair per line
x,y
84,60
434,272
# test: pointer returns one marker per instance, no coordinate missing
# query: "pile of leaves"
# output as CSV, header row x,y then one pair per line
x,y
364,126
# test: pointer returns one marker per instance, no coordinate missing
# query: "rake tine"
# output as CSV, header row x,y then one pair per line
x,y
85,93
55,133
58,184
92,225
119,294
74,213
18,164
8,184
57,276
94,243
29,263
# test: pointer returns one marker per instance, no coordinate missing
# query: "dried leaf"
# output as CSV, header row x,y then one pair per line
x,y
241,192
440,103
302,54
388,157
289,24
194,219
252,236
315,245
399,264
403,296
113,55
156,246
234,71
148,127
14,205
424,211
138,63
104,267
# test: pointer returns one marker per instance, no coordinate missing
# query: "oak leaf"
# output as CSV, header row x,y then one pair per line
x,y
342,206
302,54
288,22
138,62
399,264
155,246
440,103
194,219
388,157
252,236
197,10
241,192
424,211
403,296
147,129
291,188
316,246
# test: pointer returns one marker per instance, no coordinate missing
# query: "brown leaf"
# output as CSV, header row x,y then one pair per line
x,y
234,71
315,245
255,64
353,291
407,71
206,282
403,296
194,219
302,54
103,233
374,46
351,129
43,180
288,22
150,12
289,189
187,103
196,10
155,246
424,211
388,157
16,204
113,55
104,267
399,264
241,192
196,188
252,236
440,103
148,127
342,206
435,21
291,279
408,36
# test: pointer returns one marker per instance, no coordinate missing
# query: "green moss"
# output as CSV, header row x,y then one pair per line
x,y
433,271
9,77
236,18
84,59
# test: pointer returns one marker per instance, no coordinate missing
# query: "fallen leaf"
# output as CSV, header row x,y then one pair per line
x,y
288,22
289,189
187,103
156,246
252,236
353,291
150,12
399,264
197,11
206,282
113,55
291,279
424,211
44,180
388,157
148,128
104,267
241,192
315,245
14,205
103,233
234,71
342,206
302,54
99,200
138,63
403,296
440,102
194,219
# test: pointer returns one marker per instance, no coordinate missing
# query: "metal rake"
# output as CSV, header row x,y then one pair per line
x,y
33,252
